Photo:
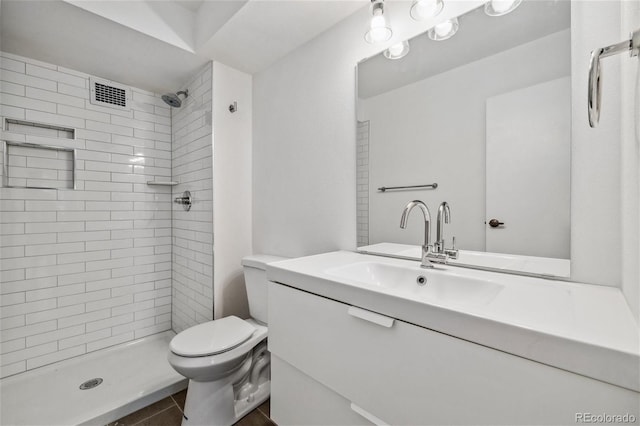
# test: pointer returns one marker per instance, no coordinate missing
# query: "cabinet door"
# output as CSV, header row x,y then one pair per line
x,y
405,374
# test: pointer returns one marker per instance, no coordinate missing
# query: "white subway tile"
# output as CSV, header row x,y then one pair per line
x,y
78,111
44,249
83,318
28,103
109,283
54,270
27,80
26,262
132,307
148,331
39,361
55,76
50,118
12,88
52,292
40,228
27,353
52,336
86,256
132,326
11,369
108,303
27,285
12,345
55,97
29,330
109,322
54,314
84,338
91,296
111,341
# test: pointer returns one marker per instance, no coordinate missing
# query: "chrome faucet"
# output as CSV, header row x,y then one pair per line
x,y
444,216
443,213
426,246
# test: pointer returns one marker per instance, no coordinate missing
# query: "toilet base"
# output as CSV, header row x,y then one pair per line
x,y
224,402
218,409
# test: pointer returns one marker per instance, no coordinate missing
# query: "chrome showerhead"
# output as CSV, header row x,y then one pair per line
x,y
173,99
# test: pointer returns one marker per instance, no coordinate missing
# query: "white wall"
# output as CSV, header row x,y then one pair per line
x,y
231,188
192,265
304,131
84,269
304,147
434,131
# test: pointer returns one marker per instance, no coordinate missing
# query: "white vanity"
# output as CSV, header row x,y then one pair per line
x,y
361,339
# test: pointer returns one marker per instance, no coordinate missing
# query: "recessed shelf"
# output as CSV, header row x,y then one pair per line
x,y
161,183
39,129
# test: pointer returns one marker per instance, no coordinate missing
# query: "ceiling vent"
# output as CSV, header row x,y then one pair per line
x,y
109,94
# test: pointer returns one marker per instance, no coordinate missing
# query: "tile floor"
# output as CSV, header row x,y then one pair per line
x,y
168,412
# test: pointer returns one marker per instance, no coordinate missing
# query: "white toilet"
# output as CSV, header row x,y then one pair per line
x,y
226,360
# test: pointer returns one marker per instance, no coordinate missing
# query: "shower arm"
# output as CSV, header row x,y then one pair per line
x,y
594,95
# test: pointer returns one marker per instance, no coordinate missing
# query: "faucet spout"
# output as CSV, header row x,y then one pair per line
x,y
444,216
426,246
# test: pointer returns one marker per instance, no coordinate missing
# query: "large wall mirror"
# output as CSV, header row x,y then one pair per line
x,y
485,114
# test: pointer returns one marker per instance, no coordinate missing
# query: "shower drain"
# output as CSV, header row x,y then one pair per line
x,y
90,384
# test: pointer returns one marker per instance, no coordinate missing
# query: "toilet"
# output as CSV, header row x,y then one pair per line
x,y
226,360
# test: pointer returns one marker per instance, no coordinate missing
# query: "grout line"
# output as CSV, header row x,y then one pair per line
x,y
154,414
176,403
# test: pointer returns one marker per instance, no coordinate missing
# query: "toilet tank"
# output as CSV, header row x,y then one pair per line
x,y
255,278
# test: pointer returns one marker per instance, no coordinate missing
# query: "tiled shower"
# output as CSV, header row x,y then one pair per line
x,y
99,265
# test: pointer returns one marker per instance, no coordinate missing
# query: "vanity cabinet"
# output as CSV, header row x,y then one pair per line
x,y
339,364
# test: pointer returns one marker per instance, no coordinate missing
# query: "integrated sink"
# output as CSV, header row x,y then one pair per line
x,y
429,285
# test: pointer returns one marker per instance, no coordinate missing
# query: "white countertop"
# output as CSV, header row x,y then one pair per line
x,y
583,328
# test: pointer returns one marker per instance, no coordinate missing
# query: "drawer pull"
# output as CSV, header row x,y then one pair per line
x,y
367,415
370,316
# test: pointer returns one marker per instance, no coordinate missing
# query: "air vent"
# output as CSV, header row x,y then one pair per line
x,y
109,94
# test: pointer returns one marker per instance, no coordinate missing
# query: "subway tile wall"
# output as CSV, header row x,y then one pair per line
x,y
193,230
362,182
86,269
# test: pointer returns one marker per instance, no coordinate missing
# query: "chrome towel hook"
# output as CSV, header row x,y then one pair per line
x,y
595,77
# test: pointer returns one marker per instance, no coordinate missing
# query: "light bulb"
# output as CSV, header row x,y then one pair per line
x,y
378,30
501,7
444,30
424,9
397,51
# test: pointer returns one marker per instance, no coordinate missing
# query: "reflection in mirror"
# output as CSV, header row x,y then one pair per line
x,y
486,115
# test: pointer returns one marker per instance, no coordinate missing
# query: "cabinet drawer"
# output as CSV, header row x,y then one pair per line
x,y
297,399
405,374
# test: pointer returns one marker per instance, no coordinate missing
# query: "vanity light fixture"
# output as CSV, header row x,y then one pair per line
x,y
425,9
379,29
397,51
500,7
444,30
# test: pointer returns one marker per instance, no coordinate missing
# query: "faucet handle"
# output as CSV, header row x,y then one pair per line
x,y
452,253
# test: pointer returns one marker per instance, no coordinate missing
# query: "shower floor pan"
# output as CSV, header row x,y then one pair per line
x,y
134,375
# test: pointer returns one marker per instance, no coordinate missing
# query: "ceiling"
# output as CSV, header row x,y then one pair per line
x,y
479,36
158,45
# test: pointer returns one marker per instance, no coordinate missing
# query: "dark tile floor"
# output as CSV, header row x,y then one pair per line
x,y
168,412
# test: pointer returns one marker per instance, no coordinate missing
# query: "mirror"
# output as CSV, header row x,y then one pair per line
x,y
486,115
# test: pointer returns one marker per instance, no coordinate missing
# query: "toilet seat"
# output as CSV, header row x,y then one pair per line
x,y
212,337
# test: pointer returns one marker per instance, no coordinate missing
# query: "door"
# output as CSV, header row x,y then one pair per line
x,y
528,138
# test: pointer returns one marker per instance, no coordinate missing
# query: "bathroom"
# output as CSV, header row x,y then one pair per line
x,y
265,142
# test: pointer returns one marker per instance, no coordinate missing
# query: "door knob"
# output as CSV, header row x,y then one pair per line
x,y
494,223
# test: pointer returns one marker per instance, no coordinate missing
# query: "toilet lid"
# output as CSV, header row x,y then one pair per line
x,y
212,337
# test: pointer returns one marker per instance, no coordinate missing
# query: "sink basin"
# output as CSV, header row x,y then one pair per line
x,y
427,284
